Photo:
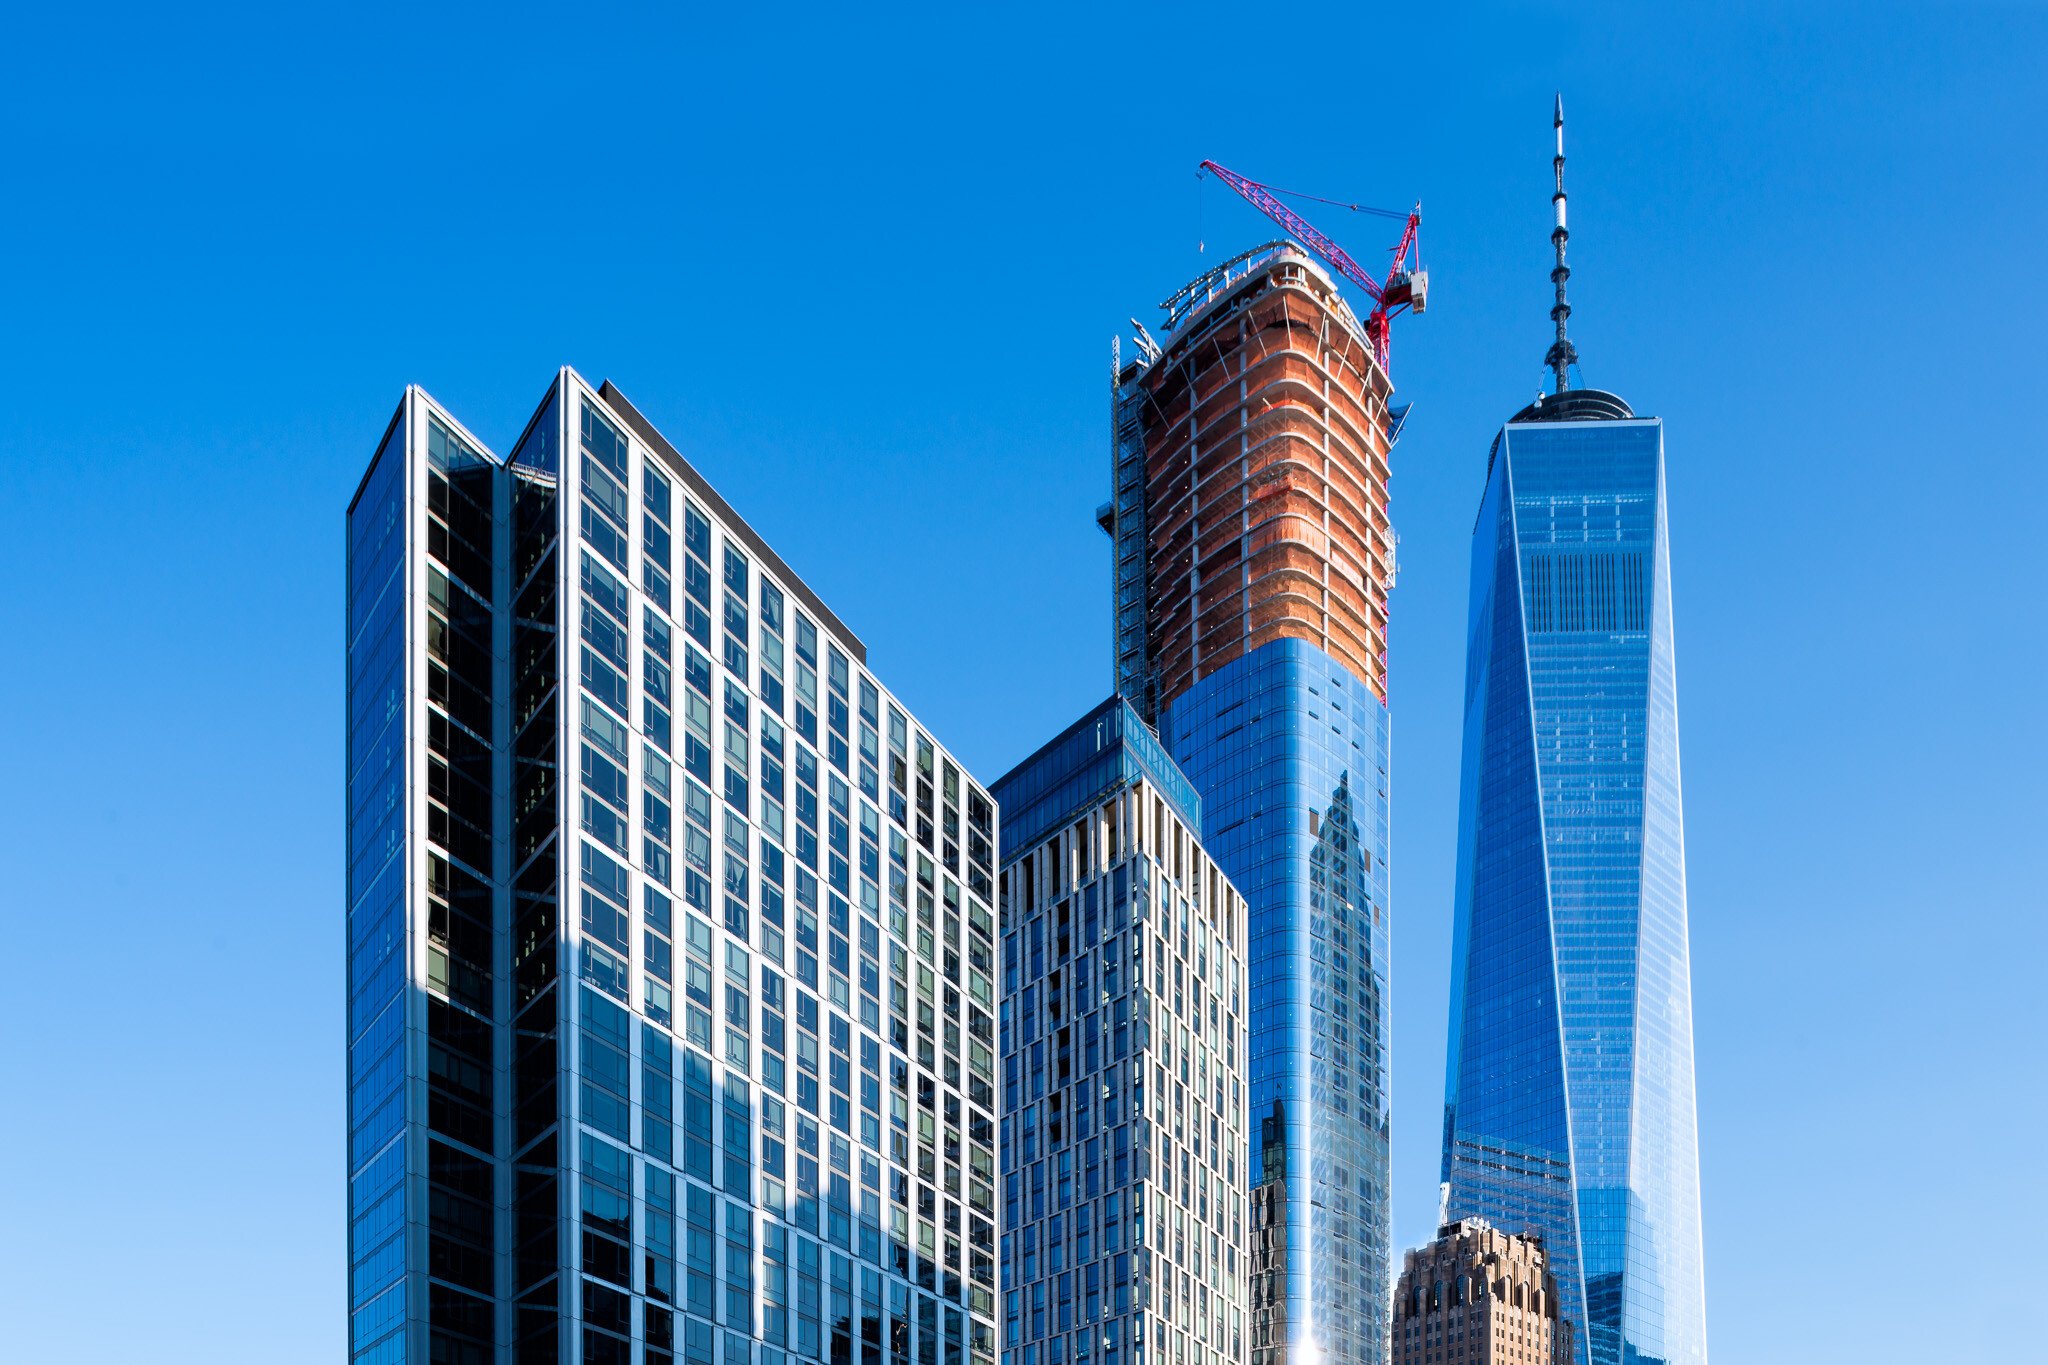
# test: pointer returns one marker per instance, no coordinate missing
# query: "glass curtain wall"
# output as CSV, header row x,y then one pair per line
x,y
1289,751
1570,1101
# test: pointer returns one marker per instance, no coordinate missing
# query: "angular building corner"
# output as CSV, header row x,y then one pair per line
x,y
1251,565
671,942
1569,1106
1125,1220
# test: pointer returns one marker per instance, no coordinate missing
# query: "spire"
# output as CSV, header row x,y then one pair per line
x,y
1562,354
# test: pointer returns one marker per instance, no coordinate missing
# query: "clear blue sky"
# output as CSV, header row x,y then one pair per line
x,y
864,271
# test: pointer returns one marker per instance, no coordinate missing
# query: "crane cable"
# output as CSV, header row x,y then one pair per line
x,y
1334,203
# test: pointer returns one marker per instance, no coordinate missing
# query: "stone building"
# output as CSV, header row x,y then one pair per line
x,y
1479,1296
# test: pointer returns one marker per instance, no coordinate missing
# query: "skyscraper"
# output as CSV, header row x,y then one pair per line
x,y
1569,1099
1123,1040
671,975
1252,561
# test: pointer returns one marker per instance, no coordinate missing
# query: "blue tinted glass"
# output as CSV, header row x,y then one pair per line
x,y
1569,1104
1109,747
1289,753
639,1116
376,904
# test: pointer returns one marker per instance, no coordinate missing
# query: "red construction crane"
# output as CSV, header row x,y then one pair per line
x,y
1404,287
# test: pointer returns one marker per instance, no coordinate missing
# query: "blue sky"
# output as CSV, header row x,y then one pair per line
x,y
863,268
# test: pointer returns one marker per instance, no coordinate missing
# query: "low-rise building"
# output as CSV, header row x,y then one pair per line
x,y
1479,1296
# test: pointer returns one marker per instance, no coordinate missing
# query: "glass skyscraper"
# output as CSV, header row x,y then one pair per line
x,y
671,943
1123,1043
1252,562
1569,1104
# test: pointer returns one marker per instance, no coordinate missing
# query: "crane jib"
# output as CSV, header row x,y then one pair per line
x,y
1404,287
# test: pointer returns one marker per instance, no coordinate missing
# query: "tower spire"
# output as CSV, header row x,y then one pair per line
x,y
1562,354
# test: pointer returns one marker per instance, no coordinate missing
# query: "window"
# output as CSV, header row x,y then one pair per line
x,y
607,732
654,491
608,539
602,439
606,493
603,587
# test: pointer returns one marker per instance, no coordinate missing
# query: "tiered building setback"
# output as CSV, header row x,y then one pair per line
x,y
1123,1038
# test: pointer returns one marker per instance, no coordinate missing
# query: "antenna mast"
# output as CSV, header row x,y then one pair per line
x,y
1562,354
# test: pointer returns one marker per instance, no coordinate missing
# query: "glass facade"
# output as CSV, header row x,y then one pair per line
x,y
1253,558
378,1011
423,887
1289,751
1108,748
1123,1041
1569,1107
672,1015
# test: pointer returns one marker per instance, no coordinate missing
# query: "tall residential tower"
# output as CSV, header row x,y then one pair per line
x,y
1253,557
1569,1099
1123,1034
671,974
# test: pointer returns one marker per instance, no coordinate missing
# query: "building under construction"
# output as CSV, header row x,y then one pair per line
x,y
1253,557
1251,480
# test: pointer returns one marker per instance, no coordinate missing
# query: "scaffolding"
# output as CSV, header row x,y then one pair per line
x,y
1125,521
